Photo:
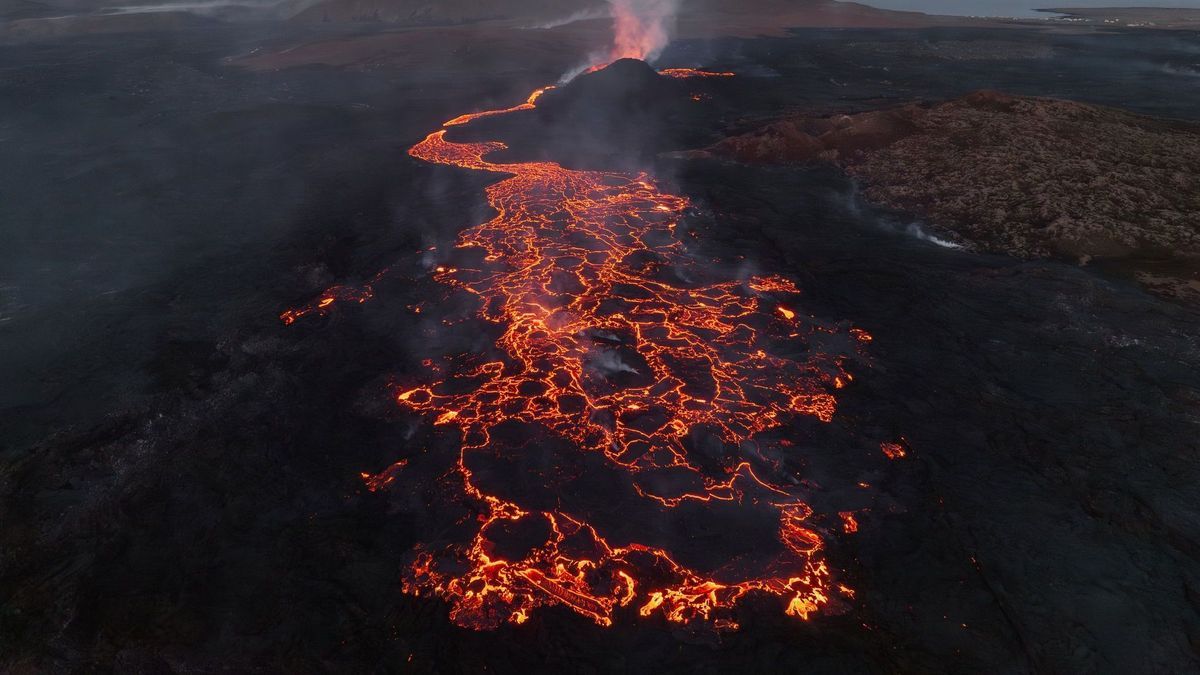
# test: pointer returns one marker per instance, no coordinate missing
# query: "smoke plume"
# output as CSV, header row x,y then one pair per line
x,y
641,27
581,15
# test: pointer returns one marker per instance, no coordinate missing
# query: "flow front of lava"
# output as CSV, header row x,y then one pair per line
x,y
615,341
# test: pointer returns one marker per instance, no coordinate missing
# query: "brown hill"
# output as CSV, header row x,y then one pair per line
x,y
1026,176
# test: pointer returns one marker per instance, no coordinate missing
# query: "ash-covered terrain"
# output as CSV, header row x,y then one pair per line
x,y
235,263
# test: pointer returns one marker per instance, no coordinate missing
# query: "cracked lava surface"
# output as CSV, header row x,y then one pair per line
x,y
615,340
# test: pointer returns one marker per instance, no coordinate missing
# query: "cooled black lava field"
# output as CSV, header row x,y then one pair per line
x,y
294,382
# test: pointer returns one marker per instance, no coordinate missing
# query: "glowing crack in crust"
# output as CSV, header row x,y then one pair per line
x,y
609,344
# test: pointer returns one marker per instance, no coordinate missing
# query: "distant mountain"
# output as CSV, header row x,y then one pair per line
x,y
41,28
705,18
739,12
696,18
434,12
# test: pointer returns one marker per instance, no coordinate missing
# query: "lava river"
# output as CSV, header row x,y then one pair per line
x,y
614,339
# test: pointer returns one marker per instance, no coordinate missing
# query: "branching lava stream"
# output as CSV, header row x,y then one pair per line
x,y
612,342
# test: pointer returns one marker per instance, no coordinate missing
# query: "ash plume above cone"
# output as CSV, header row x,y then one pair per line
x,y
641,28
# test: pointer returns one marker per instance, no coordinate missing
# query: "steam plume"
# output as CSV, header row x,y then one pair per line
x,y
641,27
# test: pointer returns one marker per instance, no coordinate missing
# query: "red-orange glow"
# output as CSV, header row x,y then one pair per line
x,y
334,294
849,522
773,284
677,73
605,345
384,479
639,27
527,105
892,450
691,72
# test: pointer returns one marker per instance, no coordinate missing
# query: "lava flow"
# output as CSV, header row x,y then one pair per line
x,y
683,73
613,339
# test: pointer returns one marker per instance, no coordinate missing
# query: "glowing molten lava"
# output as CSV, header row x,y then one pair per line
x,y
681,73
527,105
613,340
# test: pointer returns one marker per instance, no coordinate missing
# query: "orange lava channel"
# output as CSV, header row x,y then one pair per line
x,y
605,345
